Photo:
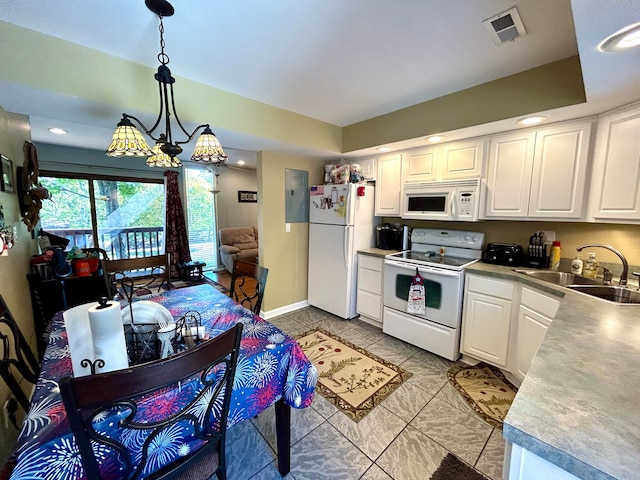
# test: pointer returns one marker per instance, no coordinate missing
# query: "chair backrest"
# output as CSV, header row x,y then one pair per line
x,y
156,267
248,282
130,412
15,356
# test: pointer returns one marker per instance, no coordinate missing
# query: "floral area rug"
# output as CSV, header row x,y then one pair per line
x,y
485,389
350,377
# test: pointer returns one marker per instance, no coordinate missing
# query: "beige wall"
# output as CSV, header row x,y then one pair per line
x,y
625,238
284,254
14,130
230,212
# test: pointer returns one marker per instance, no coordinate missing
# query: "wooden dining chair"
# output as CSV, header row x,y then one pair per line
x,y
248,282
141,273
16,358
108,412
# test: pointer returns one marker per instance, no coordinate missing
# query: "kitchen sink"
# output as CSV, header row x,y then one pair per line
x,y
560,278
612,293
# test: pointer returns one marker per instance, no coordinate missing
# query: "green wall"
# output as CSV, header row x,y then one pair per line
x,y
554,85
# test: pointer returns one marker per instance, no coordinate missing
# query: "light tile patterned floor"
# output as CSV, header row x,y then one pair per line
x,y
403,438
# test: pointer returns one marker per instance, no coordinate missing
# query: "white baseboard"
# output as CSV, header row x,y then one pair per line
x,y
282,310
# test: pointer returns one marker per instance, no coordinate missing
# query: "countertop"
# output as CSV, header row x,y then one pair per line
x,y
579,405
377,252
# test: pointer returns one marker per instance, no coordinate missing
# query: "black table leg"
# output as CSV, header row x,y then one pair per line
x,y
283,436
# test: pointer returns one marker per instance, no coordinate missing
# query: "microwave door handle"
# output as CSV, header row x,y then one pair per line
x,y
452,205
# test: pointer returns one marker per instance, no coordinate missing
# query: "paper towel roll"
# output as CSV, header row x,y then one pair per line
x,y
76,322
107,332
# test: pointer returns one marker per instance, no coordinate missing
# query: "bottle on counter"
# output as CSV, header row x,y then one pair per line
x,y
554,257
576,265
591,266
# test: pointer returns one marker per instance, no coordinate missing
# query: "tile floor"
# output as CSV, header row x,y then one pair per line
x,y
405,437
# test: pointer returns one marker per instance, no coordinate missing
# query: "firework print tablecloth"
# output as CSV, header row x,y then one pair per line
x,y
271,366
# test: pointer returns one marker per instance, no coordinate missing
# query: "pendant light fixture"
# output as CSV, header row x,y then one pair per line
x,y
127,139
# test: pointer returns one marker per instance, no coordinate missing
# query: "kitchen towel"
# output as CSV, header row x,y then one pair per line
x,y
106,343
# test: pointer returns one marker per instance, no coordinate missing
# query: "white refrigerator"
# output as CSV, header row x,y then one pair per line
x,y
341,222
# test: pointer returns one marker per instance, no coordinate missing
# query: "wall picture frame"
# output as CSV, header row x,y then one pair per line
x,y
245,196
7,183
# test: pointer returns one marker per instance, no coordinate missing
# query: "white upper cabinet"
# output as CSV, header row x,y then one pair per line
x,y
368,166
461,159
509,175
615,187
539,174
421,165
444,162
388,185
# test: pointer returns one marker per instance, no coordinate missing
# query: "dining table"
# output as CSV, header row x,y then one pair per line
x,y
272,369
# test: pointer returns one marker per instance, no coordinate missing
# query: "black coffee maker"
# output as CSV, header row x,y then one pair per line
x,y
389,236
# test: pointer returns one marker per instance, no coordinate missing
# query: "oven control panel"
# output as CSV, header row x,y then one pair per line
x,y
447,238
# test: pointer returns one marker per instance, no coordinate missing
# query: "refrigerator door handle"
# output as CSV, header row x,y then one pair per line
x,y
350,213
346,254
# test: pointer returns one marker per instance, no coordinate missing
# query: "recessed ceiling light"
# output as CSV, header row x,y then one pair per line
x,y
383,149
240,162
533,120
624,39
434,138
58,131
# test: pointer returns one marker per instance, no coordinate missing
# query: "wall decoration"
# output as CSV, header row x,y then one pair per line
x,y
8,179
247,197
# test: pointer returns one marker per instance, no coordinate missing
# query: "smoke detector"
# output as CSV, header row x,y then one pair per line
x,y
505,26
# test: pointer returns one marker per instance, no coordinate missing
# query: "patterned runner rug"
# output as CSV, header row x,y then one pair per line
x,y
350,377
485,389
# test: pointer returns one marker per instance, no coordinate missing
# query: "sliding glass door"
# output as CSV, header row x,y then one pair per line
x,y
201,215
125,217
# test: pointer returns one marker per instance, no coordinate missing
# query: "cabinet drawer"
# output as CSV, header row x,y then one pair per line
x,y
488,286
370,305
372,263
370,281
540,303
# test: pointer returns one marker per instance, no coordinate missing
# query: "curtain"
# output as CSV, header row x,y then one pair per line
x,y
177,240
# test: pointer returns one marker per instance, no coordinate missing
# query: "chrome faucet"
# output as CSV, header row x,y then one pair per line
x,y
625,265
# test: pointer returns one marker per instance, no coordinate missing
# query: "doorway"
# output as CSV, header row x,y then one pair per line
x,y
201,215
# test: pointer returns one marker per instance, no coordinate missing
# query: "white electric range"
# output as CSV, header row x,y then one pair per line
x,y
440,256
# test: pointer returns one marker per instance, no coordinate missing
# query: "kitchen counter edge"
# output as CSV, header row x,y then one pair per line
x,y
577,406
377,252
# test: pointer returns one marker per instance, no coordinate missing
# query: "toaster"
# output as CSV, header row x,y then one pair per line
x,y
503,254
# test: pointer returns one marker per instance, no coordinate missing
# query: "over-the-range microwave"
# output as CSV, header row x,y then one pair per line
x,y
456,200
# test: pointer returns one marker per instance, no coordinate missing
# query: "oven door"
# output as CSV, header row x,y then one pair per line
x,y
443,290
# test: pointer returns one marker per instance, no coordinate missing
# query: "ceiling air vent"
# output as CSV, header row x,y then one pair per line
x,y
505,26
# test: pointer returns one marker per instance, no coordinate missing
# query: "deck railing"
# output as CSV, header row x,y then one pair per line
x,y
130,242
133,242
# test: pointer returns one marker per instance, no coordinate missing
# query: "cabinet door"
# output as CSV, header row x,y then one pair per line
x,y
461,160
509,176
532,326
420,165
368,166
388,185
559,171
485,329
616,174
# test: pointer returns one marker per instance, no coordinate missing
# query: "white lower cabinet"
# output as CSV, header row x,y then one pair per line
x,y
369,295
504,322
486,319
535,314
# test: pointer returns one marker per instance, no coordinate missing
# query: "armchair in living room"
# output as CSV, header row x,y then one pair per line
x,y
238,243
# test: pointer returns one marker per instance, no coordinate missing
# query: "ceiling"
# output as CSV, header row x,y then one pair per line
x,y
333,60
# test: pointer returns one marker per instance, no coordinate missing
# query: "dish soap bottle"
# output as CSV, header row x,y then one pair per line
x,y
576,265
554,259
591,266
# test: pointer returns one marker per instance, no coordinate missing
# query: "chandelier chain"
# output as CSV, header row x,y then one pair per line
x,y
163,58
